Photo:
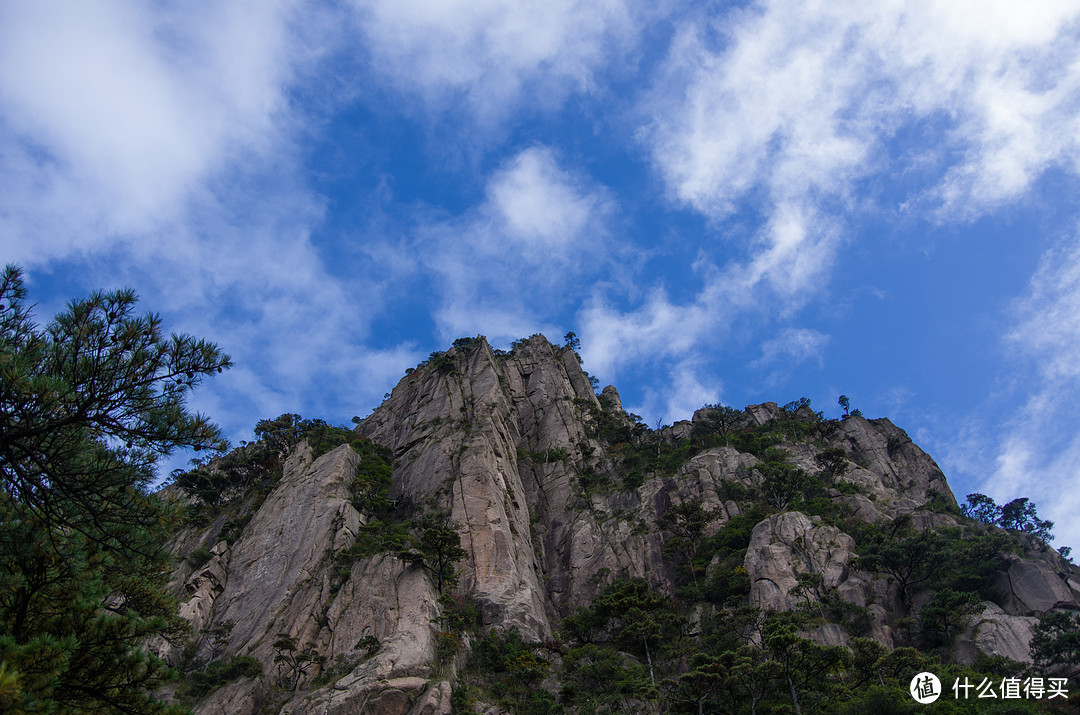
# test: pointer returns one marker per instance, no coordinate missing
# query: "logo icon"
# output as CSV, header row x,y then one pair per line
x,y
925,688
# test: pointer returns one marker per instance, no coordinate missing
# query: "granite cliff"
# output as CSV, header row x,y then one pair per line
x,y
556,493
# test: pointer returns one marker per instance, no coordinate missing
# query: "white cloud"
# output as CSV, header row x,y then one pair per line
x,y
793,346
1039,452
612,338
154,147
683,392
541,208
114,116
797,100
492,53
787,107
504,267
793,251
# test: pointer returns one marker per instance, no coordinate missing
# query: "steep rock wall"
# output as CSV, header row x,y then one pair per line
x,y
502,441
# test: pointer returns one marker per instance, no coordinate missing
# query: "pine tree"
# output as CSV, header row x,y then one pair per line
x,y
88,404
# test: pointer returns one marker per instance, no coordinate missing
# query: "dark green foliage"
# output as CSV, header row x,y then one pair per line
x,y
973,561
717,420
833,462
462,699
1019,514
824,602
600,679
590,481
634,618
702,687
447,644
519,343
217,673
230,475
460,613
756,440
795,405
727,583
197,558
513,669
438,549
257,466
638,453
379,537
686,524
781,483
281,434
1056,642
734,535
585,625
322,437
88,404
233,528
982,508
912,558
810,671
466,344
572,341
371,486
497,650
218,637
293,663
947,613
942,504
442,363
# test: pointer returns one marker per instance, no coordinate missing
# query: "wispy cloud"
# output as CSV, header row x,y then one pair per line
x,y
156,147
788,109
494,55
114,117
1037,452
686,392
790,349
509,265
797,101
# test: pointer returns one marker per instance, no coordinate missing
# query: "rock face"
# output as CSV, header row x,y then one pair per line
x,y
786,545
507,444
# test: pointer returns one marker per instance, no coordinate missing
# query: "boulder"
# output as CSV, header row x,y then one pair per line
x,y
997,633
1038,587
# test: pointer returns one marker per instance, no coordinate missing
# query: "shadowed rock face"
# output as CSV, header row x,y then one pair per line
x,y
500,441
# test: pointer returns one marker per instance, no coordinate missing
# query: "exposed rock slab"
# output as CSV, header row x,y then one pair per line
x,y
786,545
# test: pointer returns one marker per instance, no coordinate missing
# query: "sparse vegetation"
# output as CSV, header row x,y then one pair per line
x,y
685,640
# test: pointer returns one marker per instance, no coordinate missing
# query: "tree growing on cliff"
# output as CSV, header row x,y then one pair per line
x,y
438,549
1018,515
293,663
910,557
1056,642
686,524
87,405
718,419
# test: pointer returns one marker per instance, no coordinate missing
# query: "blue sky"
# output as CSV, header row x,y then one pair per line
x,y
727,202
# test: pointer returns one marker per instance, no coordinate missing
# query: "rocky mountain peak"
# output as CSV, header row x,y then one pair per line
x,y
555,495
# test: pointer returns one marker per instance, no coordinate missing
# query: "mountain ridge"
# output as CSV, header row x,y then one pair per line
x,y
556,497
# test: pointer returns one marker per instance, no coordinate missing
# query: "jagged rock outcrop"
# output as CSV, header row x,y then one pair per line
x,y
788,544
508,444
